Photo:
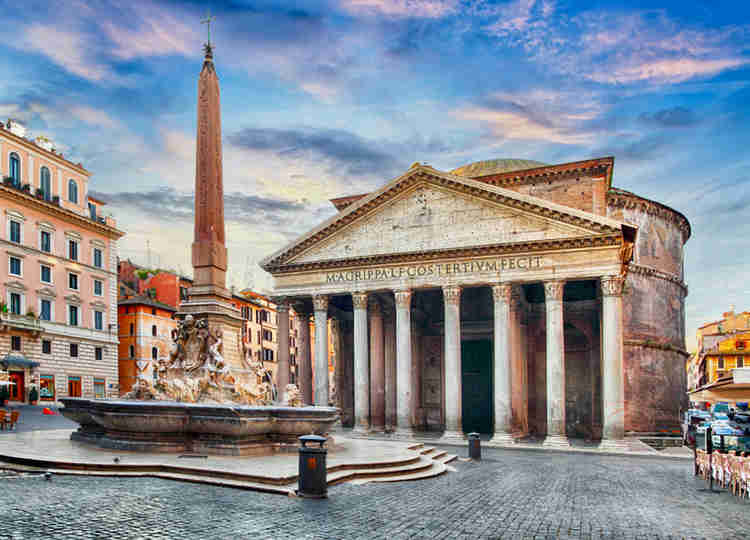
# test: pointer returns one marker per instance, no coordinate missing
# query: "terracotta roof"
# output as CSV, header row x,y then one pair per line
x,y
145,301
496,166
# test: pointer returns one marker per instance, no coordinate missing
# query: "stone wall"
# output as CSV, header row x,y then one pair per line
x,y
584,193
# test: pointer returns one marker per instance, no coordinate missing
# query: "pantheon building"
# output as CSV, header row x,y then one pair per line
x,y
507,297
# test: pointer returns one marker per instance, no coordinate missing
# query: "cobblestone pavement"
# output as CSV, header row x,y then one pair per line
x,y
510,494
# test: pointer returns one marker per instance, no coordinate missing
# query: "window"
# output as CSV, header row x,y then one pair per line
x,y
98,287
153,329
45,310
154,353
92,210
15,266
99,387
15,343
44,183
132,351
74,386
98,353
132,330
15,231
73,315
46,346
46,273
72,191
98,320
15,303
15,168
73,281
740,361
45,241
47,387
267,355
72,250
721,362
97,257
74,350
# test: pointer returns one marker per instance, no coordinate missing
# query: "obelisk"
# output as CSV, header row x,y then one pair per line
x,y
209,298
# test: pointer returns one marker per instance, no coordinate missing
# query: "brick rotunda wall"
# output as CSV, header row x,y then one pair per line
x,y
653,314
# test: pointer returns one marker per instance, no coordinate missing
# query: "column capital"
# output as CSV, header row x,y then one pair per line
x,y
452,294
612,285
282,304
359,300
553,290
501,292
301,310
320,302
516,303
403,297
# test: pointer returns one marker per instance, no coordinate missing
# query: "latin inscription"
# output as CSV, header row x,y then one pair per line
x,y
436,269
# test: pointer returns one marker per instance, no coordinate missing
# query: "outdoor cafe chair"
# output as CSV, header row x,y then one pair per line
x,y
2,419
13,420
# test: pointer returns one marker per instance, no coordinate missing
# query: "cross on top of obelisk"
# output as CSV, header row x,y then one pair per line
x,y
207,22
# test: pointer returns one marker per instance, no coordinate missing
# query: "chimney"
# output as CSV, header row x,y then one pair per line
x,y
16,128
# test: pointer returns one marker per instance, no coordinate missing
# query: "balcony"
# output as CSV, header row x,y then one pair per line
x,y
40,194
20,322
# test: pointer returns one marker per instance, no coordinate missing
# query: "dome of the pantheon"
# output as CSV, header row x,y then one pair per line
x,y
496,166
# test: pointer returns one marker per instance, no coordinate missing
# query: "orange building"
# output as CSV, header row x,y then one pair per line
x,y
145,332
721,346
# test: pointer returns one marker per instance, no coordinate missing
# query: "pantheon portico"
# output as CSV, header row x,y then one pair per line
x,y
489,303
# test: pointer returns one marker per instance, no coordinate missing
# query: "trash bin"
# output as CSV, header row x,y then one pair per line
x,y
475,448
313,483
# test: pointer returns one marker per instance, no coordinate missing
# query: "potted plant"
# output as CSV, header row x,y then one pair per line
x,y
33,395
26,187
39,192
4,395
30,313
56,200
3,307
8,180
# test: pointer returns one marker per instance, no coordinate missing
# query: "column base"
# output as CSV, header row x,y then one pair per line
x,y
614,445
502,439
361,430
556,441
452,437
403,433
377,429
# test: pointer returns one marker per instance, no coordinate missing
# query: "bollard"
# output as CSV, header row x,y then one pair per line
x,y
475,448
313,482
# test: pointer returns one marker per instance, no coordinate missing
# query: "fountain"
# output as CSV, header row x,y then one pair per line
x,y
203,398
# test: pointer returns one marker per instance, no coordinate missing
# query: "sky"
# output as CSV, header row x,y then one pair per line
x,y
336,97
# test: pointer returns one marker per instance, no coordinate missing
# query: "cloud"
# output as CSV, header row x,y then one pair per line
x,y
667,70
94,117
429,9
670,118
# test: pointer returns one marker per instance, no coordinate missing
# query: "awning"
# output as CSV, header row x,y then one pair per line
x,y
17,360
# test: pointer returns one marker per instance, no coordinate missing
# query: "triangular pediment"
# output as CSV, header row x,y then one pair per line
x,y
429,211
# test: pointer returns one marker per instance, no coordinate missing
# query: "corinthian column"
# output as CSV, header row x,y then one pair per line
x,y
282,374
452,299
613,393
320,305
501,295
304,360
361,366
377,366
403,362
553,294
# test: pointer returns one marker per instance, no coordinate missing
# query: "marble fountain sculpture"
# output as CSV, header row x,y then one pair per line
x,y
196,403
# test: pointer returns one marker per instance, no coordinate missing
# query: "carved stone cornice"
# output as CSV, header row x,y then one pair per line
x,y
617,198
545,173
502,292
46,292
359,300
320,302
452,295
282,304
653,272
73,299
403,298
553,290
454,253
15,285
611,285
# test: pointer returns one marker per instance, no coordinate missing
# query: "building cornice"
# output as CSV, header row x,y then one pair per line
x,y
51,156
58,211
654,345
653,272
599,241
618,198
103,272
595,167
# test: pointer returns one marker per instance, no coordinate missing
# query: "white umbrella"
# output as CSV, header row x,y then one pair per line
x,y
6,383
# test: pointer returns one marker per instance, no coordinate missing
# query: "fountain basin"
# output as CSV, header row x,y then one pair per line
x,y
166,426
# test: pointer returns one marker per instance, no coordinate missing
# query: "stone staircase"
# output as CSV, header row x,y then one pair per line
x,y
421,462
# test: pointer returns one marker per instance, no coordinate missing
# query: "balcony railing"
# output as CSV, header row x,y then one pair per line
x,y
20,322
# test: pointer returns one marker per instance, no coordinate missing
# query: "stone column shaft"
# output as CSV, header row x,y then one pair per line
x,y
320,304
304,360
613,393
282,374
361,364
377,366
502,369
452,300
389,330
403,361
553,293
